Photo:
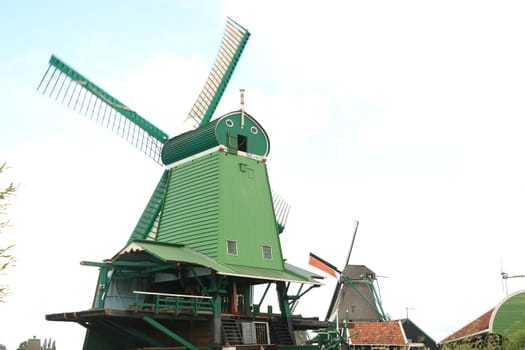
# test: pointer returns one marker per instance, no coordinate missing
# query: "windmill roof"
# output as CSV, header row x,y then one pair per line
x,y
357,271
378,333
478,326
504,319
170,252
288,274
416,334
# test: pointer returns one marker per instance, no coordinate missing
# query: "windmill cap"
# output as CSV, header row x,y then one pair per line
x,y
237,131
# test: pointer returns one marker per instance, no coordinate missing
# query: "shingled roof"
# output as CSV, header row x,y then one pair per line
x,y
505,319
477,327
378,333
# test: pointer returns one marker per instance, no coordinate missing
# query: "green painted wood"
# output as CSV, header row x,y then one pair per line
x,y
65,85
152,210
191,209
218,198
190,143
246,213
86,84
168,253
238,123
170,333
509,317
224,131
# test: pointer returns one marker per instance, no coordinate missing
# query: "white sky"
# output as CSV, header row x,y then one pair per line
x,y
407,116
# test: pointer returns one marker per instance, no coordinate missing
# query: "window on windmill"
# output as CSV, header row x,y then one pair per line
x,y
267,252
233,141
242,143
231,247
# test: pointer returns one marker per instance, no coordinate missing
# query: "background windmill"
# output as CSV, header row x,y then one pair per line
x,y
505,276
356,296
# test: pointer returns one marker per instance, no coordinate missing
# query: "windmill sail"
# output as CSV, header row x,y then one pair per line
x,y
72,89
323,265
281,209
232,45
334,303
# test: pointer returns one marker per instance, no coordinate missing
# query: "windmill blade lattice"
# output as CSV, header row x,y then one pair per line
x,y
232,45
67,86
281,209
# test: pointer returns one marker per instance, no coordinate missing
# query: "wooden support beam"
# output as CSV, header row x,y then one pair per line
x,y
170,333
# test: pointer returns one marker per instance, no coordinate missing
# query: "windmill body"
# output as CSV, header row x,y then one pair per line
x,y
207,237
358,298
355,295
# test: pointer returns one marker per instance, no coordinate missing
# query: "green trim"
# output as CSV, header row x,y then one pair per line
x,y
283,299
169,253
177,303
262,297
152,210
113,264
169,333
163,267
102,286
134,333
199,281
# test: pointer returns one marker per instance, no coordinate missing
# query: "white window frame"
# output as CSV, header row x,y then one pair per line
x,y
269,248
228,251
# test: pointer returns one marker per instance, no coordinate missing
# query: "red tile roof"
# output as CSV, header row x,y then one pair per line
x,y
380,333
478,326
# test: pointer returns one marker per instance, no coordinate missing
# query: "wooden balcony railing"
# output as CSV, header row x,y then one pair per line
x,y
176,303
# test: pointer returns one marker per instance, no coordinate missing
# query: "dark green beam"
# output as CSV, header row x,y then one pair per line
x,y
137,264
169,333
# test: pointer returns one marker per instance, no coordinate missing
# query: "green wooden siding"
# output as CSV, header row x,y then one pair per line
x,y
191,209
218,198
221,131
231,125
510,316
190,143
246,213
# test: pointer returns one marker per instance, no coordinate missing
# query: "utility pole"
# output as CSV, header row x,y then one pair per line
x,y
408,308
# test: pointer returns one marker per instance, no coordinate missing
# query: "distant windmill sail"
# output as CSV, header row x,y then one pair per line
x,y
334,303
323,265
233,42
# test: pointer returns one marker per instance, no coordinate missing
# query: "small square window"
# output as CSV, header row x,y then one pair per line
x,y
231,247
267,252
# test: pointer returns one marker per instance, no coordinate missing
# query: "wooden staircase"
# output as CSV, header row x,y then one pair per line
x,y
279,332
231,332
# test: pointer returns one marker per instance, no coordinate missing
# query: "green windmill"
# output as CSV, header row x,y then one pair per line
x,y
208,236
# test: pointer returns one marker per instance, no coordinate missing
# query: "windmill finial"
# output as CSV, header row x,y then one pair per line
x,y
242,108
